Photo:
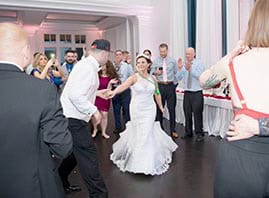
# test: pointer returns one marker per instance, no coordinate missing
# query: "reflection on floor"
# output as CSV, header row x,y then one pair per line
x,y
190,175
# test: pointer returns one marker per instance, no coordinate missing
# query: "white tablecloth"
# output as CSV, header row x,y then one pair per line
x,y
217,114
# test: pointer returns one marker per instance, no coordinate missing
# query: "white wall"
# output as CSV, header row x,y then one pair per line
x,y
117,37
166,22
154,28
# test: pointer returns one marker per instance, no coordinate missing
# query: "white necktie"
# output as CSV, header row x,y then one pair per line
x,y
164,70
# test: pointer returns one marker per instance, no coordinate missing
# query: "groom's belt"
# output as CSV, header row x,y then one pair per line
x,y
165,82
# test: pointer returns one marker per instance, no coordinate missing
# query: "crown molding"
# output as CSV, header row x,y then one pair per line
x,y
61,26
80,6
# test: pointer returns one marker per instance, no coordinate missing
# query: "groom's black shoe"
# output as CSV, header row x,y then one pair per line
x,y
72,188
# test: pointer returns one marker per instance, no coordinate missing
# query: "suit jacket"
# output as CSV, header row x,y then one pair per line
x,y
32,130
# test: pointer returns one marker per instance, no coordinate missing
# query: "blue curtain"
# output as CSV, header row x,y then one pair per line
x,y
224,26
191,23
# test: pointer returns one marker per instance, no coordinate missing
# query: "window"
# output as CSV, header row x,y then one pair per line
x,y
49,38
65,38
50,51
80,38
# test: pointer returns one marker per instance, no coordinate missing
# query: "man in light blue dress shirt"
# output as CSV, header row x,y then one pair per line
x,y
193,101
121,101
165,69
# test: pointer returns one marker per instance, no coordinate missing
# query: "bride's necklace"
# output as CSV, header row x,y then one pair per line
x,y
157,91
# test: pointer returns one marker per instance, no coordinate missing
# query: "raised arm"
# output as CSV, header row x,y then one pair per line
x,y
218,72
44,72
128,83
60,72
215,74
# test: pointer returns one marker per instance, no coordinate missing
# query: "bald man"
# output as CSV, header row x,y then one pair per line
x,y
33,130
193,100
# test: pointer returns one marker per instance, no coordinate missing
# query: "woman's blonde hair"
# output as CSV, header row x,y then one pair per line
x,y
258,25
37,59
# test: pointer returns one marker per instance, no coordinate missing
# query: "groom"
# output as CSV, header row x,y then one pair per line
x,y
78,99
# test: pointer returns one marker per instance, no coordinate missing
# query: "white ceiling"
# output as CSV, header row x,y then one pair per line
x,y
91,14
37,18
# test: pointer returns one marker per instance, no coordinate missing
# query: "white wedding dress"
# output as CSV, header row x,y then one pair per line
x,y
143,147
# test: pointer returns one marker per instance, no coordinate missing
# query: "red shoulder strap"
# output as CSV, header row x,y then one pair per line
x,y
237,90
244,110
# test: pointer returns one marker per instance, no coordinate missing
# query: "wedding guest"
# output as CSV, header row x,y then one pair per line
x,y
69,63
165,69
33,130
44,69
121,101
29,68
147,52
126,57
107,77
193,101
242,166
75,56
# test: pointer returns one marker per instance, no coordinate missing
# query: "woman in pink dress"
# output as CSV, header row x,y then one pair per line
x,y
107,77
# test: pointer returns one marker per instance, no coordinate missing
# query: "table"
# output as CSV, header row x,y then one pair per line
x,y
217,114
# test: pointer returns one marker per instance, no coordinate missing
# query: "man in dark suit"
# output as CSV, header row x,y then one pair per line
x,y
33,131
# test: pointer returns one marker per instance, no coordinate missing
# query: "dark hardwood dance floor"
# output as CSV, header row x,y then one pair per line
x,y
190,175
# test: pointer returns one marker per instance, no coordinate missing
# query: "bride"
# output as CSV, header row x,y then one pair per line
x,y
143,147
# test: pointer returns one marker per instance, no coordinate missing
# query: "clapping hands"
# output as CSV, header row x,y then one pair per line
x,y
187,64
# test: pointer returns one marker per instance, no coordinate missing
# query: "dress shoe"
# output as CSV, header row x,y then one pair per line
x,y
174,134
186,136
117,131
199,138
72,188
